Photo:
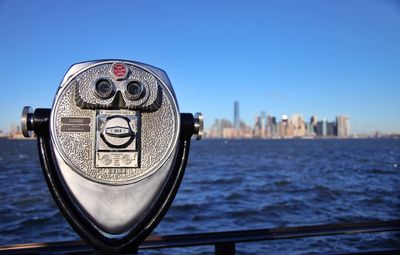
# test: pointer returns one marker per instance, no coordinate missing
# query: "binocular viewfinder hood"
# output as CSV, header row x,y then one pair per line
x,y
113,149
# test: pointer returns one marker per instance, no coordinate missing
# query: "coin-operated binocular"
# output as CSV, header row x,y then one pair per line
x,y
113,149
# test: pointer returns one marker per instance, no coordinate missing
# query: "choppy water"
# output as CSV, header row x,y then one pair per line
x,y
234,185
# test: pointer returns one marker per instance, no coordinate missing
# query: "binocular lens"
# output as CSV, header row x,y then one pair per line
x,y
134,90
104,89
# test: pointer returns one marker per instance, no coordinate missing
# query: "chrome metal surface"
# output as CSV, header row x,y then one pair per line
x,y
27,121
87,99
198,125
113,209
160,128
92,145
117,138
113,159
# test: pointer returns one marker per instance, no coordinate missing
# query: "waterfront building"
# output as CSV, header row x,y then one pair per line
x,y
257,127
309,129
245,131
313,124
236,117
263,123
331,129
298,125
268,128
284,127
218,127
322,128
274,127
343,126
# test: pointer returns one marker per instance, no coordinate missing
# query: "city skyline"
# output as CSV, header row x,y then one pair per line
x,y
340,127
236,122
314,57
266,126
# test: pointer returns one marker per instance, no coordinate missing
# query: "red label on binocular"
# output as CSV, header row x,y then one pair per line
x,y
119,70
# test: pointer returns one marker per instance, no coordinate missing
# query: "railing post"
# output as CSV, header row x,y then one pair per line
x,y
225,248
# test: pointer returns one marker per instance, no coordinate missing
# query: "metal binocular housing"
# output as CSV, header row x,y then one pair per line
x,y
113,149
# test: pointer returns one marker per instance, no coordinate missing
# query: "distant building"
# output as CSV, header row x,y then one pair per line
x,y
343,126
298,125
331,129
274,127
326,129
218,127
283,127
270,130
313,125
15,131
260,129
309,130
322,129
236,117
263,125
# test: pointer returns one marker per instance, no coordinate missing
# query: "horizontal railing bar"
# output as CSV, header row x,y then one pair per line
x,y
212,238
271,234
369,252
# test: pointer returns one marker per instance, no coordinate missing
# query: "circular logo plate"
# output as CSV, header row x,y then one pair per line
x,y
119,71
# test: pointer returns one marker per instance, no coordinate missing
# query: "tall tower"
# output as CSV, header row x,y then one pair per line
x,y
236,118
324,127
313,124
343,127
263,124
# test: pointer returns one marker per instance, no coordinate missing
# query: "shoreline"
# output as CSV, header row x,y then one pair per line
x,y
306,138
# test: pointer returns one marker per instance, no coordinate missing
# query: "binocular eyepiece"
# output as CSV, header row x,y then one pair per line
x,y
113,149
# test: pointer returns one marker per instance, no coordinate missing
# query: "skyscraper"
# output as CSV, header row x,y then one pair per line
x,y
343,126
236,117
263,124
313,124
322,128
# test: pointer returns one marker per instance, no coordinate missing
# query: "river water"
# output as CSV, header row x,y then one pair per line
x,y
237,185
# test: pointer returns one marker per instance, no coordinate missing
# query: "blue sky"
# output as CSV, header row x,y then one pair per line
x,y
282,57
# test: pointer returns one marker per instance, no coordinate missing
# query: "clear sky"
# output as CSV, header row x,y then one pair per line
x,y
282,57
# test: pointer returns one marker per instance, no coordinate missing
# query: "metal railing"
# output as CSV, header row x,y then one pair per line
x,y
224,242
